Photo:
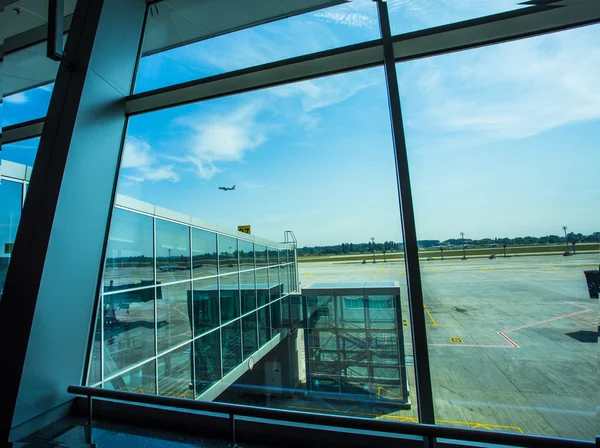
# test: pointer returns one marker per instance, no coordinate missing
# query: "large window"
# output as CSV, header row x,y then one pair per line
x,y
293,36
502,156
503,162
11,197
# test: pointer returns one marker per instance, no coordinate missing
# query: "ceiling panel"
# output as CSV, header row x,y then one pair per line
x,y
24,15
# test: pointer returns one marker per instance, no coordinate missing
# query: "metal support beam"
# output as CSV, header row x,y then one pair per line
x,y
51,290
407,217
22,131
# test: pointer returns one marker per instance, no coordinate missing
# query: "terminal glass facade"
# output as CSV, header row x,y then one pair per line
x,y
179,309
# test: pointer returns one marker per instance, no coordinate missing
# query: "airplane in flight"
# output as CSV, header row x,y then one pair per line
x,y
226,188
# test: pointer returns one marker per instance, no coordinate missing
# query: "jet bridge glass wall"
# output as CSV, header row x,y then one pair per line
x,y
354,343
183,308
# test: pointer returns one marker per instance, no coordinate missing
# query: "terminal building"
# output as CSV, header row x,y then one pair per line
x,y
124,319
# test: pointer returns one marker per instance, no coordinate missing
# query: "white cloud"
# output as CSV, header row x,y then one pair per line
x,y
47,87
17,98
513,90
140,164
322,92
347,18
222,138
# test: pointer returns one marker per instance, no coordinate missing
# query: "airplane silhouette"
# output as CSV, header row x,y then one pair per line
x,y
227,189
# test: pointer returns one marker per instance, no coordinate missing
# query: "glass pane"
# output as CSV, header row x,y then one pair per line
x,y
208,361
173,315
230,297
22,152
128,329
206,305
26,105
232,346
246,254
275,318
275,289
512,332
95,373
11,194
249,328
172,251
204,253
248,289
228,254
410,16
273,256
328,28
175,373
130,251
351,311
262,286
141,380
261,255
264,325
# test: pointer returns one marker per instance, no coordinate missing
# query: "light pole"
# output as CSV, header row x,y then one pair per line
x,y
373,248
566,239
462,236
442,251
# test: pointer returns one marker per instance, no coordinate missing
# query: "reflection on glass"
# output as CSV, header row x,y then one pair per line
x,y
275,318
141,380
172,251
207,352
232,347
248,290
228,254
128,329
230,297
262,286
10,214
352,310
206,305
130,251
275,286
95,373
246,254
175,373
173,316
204,253
283,256
273,256
250,336
261,255
264,325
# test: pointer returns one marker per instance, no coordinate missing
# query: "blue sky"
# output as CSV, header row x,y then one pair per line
x,y
503,140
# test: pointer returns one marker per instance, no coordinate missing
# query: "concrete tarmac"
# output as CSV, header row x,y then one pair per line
x,y
512,341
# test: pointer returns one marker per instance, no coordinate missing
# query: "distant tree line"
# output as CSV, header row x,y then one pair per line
x,y
391,246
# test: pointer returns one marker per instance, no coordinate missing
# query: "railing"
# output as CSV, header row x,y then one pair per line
x,y
428,432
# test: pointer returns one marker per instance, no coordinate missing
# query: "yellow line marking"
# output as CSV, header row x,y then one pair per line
x,y
382,272
403,418
307,275
430,316
487,269
443,325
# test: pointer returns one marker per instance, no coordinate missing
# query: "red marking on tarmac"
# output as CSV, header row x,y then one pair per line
x,y
512,343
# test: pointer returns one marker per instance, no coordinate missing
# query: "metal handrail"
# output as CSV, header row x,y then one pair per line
x,y
418,429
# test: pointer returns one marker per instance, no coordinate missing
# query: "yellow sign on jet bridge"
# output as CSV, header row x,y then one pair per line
x,y
245,229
